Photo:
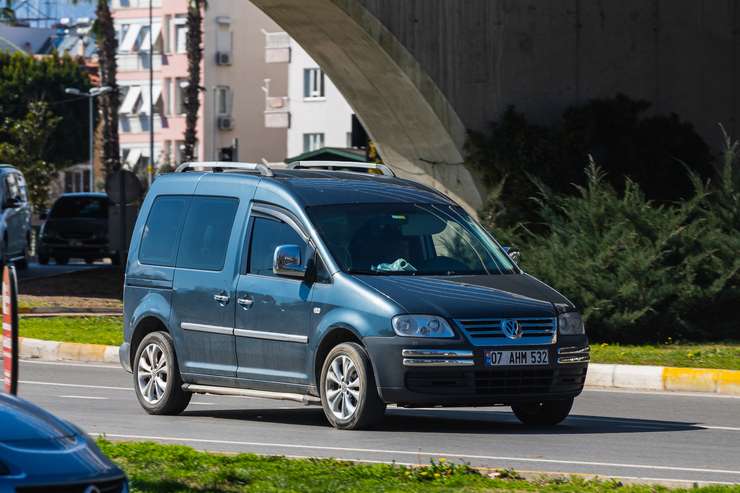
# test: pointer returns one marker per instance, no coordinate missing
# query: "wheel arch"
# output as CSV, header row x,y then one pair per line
x,y
144,326
334,335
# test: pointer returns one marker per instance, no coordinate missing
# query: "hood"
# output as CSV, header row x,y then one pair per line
x,y
23,421
515,295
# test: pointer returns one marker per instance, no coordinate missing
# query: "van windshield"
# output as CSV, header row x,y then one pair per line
x,y
408,239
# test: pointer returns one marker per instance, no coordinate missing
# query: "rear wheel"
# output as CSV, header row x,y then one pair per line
x,y
115,259
157,381
348,393
546,413
89,261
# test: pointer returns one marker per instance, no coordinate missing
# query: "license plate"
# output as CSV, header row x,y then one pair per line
x,y
517,358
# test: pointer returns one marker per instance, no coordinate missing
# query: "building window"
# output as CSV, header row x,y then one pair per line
x,y
181,35
180,85
223,101
313,83
311,142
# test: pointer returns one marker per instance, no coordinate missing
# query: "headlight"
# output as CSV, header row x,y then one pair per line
x,y
422,326
571,324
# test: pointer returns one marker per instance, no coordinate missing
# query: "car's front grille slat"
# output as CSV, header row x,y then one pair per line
x,y
486,331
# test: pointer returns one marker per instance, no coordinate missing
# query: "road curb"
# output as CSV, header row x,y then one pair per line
x,y
66,351
634,377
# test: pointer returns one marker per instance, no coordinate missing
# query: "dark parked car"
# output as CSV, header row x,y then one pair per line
x,y
77,227
352,290
42,453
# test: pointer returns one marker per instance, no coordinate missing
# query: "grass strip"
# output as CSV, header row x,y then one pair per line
x,y
720,355
173,468
87,330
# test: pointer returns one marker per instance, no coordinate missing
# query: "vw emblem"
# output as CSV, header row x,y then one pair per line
x,y
511,329
92,489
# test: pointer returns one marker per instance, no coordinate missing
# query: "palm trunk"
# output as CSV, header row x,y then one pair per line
x,y
107,47
192,91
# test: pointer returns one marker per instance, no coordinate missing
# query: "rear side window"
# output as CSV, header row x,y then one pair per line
x,y
206,233
268,234
160,239
80,208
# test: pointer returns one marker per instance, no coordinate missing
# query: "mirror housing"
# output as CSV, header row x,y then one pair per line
x,y
11,203
287,262
513,253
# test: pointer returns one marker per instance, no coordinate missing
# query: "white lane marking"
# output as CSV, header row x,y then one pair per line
x,y
419,453
91,397
65,363
76,385
664,393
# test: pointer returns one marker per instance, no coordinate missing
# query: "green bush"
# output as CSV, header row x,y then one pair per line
x,y
638,270
624,141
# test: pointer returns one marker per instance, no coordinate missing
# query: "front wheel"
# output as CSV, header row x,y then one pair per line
x,y
348,393
157,379
546,413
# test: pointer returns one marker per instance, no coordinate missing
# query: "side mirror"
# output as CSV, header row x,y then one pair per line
x,y
513,253
287,261
11,203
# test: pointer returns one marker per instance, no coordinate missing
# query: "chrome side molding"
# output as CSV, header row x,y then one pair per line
x,y
261,394
212,329
271,336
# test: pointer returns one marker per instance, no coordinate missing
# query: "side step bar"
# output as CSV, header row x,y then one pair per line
x,y
262,394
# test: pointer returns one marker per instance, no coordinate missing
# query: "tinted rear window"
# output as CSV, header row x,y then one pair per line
x,y
80,208
206,234
161,233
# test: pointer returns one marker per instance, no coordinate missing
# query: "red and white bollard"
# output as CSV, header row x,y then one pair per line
x,y
10,330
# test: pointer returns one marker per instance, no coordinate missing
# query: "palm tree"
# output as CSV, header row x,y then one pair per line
x,y
107,42
105,35
194,45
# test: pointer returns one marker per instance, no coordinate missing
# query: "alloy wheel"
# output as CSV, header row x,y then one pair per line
x,y
152,373
342,387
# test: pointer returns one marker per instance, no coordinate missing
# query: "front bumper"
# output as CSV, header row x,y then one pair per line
x,y
51,249
415,372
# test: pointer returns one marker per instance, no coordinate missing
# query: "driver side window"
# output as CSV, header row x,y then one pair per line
x,y
268,234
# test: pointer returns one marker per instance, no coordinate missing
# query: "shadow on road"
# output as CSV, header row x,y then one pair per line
x,y
455,421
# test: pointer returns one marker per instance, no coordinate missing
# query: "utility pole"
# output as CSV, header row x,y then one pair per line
x,y
150,166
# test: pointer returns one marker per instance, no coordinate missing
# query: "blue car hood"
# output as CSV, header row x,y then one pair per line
x,y
453,297
21,420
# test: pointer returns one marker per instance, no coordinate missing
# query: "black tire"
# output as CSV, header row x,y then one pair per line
x,y
172,399
547,413
89,261
61,260
115,259
44,259
22,263
368,407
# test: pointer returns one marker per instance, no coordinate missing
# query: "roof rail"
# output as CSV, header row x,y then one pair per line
x,y
262,169
342,165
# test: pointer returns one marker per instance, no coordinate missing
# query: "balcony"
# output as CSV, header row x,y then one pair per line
x,y
131,62
277,47
277,112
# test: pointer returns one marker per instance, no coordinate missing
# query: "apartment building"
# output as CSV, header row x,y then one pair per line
x,y
314,112
233,72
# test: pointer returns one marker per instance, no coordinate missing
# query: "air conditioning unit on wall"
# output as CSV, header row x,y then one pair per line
x,y
223,58
225,123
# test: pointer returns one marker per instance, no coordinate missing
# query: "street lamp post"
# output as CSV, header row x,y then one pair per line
x,y
94,93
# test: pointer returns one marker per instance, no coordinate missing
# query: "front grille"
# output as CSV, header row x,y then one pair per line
x,y
112,486
487,332
76,235
511,382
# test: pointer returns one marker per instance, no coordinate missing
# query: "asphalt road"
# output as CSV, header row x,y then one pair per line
x,y
685,437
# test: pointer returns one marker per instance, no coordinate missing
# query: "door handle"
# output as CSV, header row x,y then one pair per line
x,y
221,298
245,302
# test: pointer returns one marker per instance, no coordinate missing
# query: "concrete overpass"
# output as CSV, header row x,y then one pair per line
x,y
419,73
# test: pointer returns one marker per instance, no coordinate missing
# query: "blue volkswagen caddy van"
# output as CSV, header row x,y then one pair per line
x,y
353,290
